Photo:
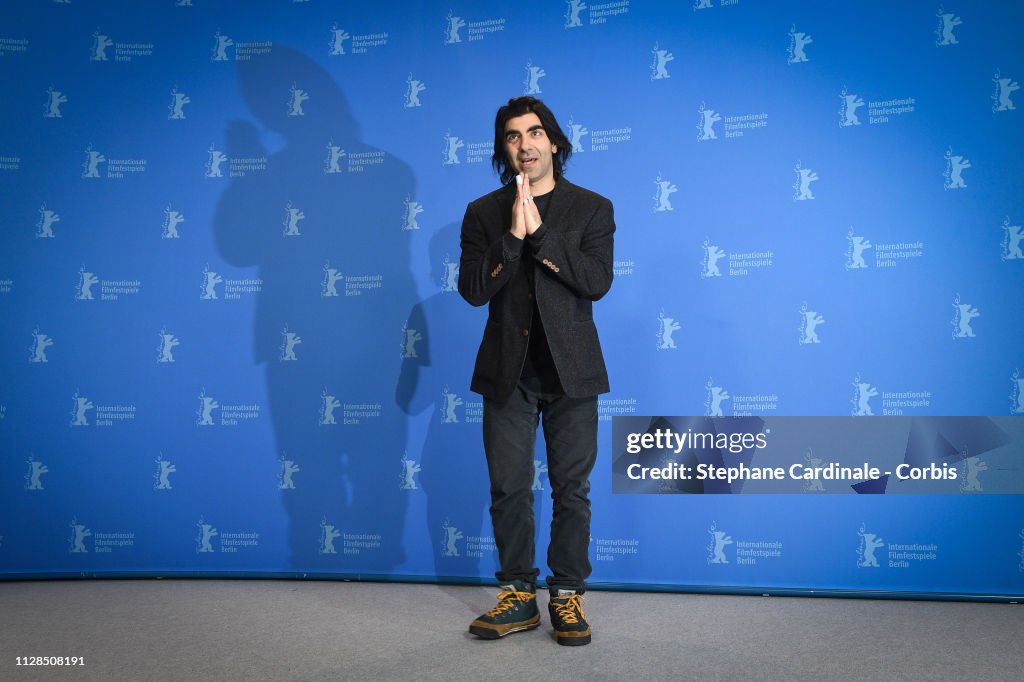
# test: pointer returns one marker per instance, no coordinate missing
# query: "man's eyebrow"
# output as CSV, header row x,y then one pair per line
x,y
512,131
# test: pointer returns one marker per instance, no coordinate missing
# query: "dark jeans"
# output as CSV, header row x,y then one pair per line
x,y
570,434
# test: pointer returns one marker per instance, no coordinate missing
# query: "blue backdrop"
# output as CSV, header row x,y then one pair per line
x,y
230,235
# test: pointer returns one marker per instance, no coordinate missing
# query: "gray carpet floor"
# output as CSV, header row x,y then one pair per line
x,y
314,630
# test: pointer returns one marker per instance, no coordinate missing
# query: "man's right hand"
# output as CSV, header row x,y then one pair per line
x,y
519,211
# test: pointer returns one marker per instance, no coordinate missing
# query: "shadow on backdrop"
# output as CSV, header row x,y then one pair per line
x,y
336,290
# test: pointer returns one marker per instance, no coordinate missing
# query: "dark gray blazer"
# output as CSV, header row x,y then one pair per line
x,y
573,267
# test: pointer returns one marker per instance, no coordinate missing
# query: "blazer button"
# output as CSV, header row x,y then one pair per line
x,y
526,332
530,295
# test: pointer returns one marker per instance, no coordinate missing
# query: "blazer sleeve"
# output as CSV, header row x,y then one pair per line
x,y
581,259
485,267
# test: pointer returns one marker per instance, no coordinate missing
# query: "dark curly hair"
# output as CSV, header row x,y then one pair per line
x,y
518,106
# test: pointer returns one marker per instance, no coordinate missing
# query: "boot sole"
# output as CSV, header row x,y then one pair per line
x,y
570,640
492,633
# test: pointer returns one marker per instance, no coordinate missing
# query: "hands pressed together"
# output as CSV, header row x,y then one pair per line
x,y
525,216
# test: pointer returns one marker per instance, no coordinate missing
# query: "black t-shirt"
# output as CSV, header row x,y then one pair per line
x,y
539,372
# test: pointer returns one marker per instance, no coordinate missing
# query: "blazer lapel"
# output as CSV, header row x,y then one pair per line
x,y
561,202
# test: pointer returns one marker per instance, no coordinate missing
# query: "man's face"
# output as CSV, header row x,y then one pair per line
x,y
530,151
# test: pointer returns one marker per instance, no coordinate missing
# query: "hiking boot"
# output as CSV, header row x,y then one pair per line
x,y
567,619
516,610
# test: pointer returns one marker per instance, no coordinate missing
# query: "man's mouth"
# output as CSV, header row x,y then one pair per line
x,y
527,162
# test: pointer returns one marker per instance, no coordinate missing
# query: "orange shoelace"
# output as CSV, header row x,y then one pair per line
x,y
508,600
567,609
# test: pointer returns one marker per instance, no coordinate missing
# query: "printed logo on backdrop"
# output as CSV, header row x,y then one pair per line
x,y
659,67
292,216
745,405
597,13
407,478
608,549
328,404
358,44
1017,392
237,166
114,168
13,46
352,543
600,140
229,415
413,88
716,395
531,86
814,485
475,30
1013,237
410,337
6,285
412,209
110,290
47,219
666,327
289,341
476,152
103,542
615,407
328,534
746,552
887,255
243,50
576,133
475,546
162,476
354,285
1001,97
947,22
233,288
54,98
79,533
449,543
40,342
104,414
740,264
798,40
894,403
172,219
539,468
297,98
802,186
962,316
288,469
356,162
123,52
473,412
897,554
665,189
232,542
450,275
176,109
623,267
165,350
955,166
734,125
34,477
809,322
708,4
968,471
10,163
879,111
337,42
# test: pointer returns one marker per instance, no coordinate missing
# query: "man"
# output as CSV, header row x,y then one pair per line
x,y
538,251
